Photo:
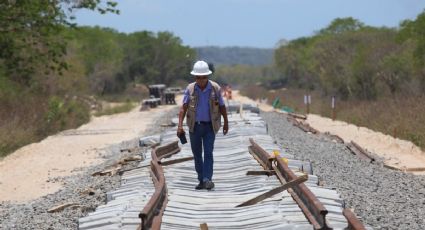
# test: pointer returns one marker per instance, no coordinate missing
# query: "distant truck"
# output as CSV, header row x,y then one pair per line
x,y
159,95
157,91
176,90
170,95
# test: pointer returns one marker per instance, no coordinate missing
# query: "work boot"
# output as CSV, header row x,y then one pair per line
x,y
200,186
209,185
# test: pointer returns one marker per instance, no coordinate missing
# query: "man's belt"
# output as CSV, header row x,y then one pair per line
x,y
203,122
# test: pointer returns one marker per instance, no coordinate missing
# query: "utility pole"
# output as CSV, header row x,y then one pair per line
x,y
333,108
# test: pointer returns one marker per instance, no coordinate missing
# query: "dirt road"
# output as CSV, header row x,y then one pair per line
x,y
28,172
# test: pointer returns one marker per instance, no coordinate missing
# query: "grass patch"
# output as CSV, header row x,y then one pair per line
x,y
28,118
116,108
12,137
399,116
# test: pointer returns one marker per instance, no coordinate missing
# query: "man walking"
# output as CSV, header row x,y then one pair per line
x,y
204,106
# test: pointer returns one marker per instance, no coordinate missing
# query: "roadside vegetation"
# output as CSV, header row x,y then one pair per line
x,y
116,108
54,74
402,117
377,76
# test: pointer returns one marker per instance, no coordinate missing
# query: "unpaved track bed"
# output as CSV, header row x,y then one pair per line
x,y
384,198
78,189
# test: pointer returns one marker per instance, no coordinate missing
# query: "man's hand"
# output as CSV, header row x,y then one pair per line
x,y
182,113
225,128
226,122
180,131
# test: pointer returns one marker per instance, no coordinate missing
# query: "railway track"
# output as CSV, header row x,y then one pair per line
x,y
254,189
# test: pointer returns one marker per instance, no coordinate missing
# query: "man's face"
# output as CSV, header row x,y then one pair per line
x,y
201,81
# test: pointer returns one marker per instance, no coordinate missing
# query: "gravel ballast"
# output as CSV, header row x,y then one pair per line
x,y
84,191
383,198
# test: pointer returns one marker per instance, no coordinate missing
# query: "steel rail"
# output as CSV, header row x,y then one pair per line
x,y
352,146
151,215
312,208
168,201
298,116
168,150
360,152
353,222
260,155
314,211
302,125
308,199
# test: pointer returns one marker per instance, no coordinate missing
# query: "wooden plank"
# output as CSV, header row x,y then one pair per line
x,y
392,167
204,226
418,169
275,191
175,161
299,116
61,207
261,172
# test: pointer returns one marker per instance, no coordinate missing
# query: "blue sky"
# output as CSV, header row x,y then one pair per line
x,y
247,23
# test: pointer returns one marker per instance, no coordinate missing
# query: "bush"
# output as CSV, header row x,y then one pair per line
x,y
121,108
401,116
64,114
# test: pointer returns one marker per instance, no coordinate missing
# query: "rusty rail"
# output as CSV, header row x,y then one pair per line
x,y
168,150
360,152
260,155
302,125
352,146
334,137
298,116
353,222
307,128
151,215
312,208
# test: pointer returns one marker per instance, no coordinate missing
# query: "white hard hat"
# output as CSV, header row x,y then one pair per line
x,y
200,68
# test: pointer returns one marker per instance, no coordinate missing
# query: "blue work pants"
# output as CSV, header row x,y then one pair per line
x,y
203,136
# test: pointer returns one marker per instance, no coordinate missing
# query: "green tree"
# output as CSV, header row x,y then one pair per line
x,y
29,32
414,31
347,59
295,64
342,25
157,58
100,51
394,71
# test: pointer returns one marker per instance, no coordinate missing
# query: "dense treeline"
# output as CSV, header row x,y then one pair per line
x,y
243,75
50,70
352,60
113,62
235,55
376,74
